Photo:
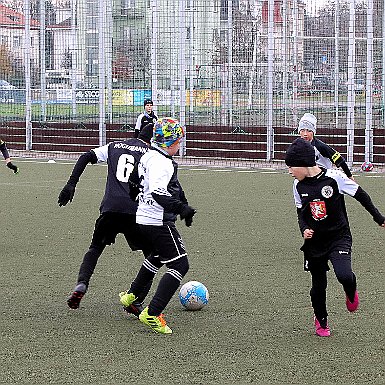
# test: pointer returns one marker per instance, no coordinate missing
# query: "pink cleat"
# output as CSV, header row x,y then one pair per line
x,y
319,330
353,306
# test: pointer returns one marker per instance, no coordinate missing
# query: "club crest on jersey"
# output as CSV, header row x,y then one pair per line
x,y
327,191
318,210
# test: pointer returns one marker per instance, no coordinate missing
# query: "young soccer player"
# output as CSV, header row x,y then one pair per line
x,y
146,117
161,200
323,222
117,209
325,155
4,151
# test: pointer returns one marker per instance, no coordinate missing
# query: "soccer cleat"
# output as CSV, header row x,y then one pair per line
x,y
74,300
156,323
321,331
129,304
353,306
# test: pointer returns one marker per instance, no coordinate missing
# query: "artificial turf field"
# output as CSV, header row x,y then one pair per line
x,y
243,245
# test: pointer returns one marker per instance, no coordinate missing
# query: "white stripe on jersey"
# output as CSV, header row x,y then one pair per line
x,y
297,198
101,153
345,184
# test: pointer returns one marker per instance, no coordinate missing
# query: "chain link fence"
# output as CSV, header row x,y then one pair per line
x,y
238,74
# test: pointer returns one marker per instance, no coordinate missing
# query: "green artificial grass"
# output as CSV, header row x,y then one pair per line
x,y
243,245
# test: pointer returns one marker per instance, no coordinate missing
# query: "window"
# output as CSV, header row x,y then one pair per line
x,y
3,39
16,41
127,4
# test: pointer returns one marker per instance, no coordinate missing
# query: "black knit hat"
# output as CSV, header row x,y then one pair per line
x,y
147,101
300,154
146,132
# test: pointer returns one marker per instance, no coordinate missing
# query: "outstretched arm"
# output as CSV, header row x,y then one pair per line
x,y
363,197
67,193
4,151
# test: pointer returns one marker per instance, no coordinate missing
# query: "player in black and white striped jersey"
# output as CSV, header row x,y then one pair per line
x,y
160,201
323,222
117,209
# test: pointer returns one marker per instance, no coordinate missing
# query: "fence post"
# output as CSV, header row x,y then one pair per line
x,y
27,58
270,76
351,90
369,85
182,62
337,59
102,72
154,57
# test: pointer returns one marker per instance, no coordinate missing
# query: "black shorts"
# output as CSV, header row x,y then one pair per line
x,y
110,224
165,241
339,248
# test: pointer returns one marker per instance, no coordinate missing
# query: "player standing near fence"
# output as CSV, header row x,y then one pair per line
x,y
160,201
146,117
117,209
4,151
323,222
325,155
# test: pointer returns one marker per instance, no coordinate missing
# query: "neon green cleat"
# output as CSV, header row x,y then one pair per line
x,y
126,299
129,304
156,323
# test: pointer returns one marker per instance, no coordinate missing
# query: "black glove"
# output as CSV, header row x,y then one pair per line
x,y
187,214
66,195
14,168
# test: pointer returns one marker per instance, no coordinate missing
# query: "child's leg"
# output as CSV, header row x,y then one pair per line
x,y
341,259
318,294
342,264
143,280
168,285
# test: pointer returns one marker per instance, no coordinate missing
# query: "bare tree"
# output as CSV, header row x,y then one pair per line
x,y
5,62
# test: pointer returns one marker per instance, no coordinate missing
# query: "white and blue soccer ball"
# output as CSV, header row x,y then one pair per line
x,y
193,295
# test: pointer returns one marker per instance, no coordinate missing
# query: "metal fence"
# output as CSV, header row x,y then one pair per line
x,y
238,74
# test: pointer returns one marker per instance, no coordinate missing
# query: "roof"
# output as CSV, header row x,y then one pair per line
x,y
11,18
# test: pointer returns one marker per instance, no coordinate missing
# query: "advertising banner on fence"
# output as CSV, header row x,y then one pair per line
x,y
140,95
120,97
12,96
204,98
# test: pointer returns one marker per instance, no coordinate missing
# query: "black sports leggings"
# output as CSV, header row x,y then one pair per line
x,y
342,265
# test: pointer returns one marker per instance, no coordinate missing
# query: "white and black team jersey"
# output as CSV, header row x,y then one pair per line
x,y
162,196
121,158
143,119
321,207
326,156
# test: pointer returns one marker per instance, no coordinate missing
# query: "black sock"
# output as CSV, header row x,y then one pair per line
x,y
166,289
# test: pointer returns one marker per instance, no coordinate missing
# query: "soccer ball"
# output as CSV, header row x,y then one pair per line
x,y
367,166
193,295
